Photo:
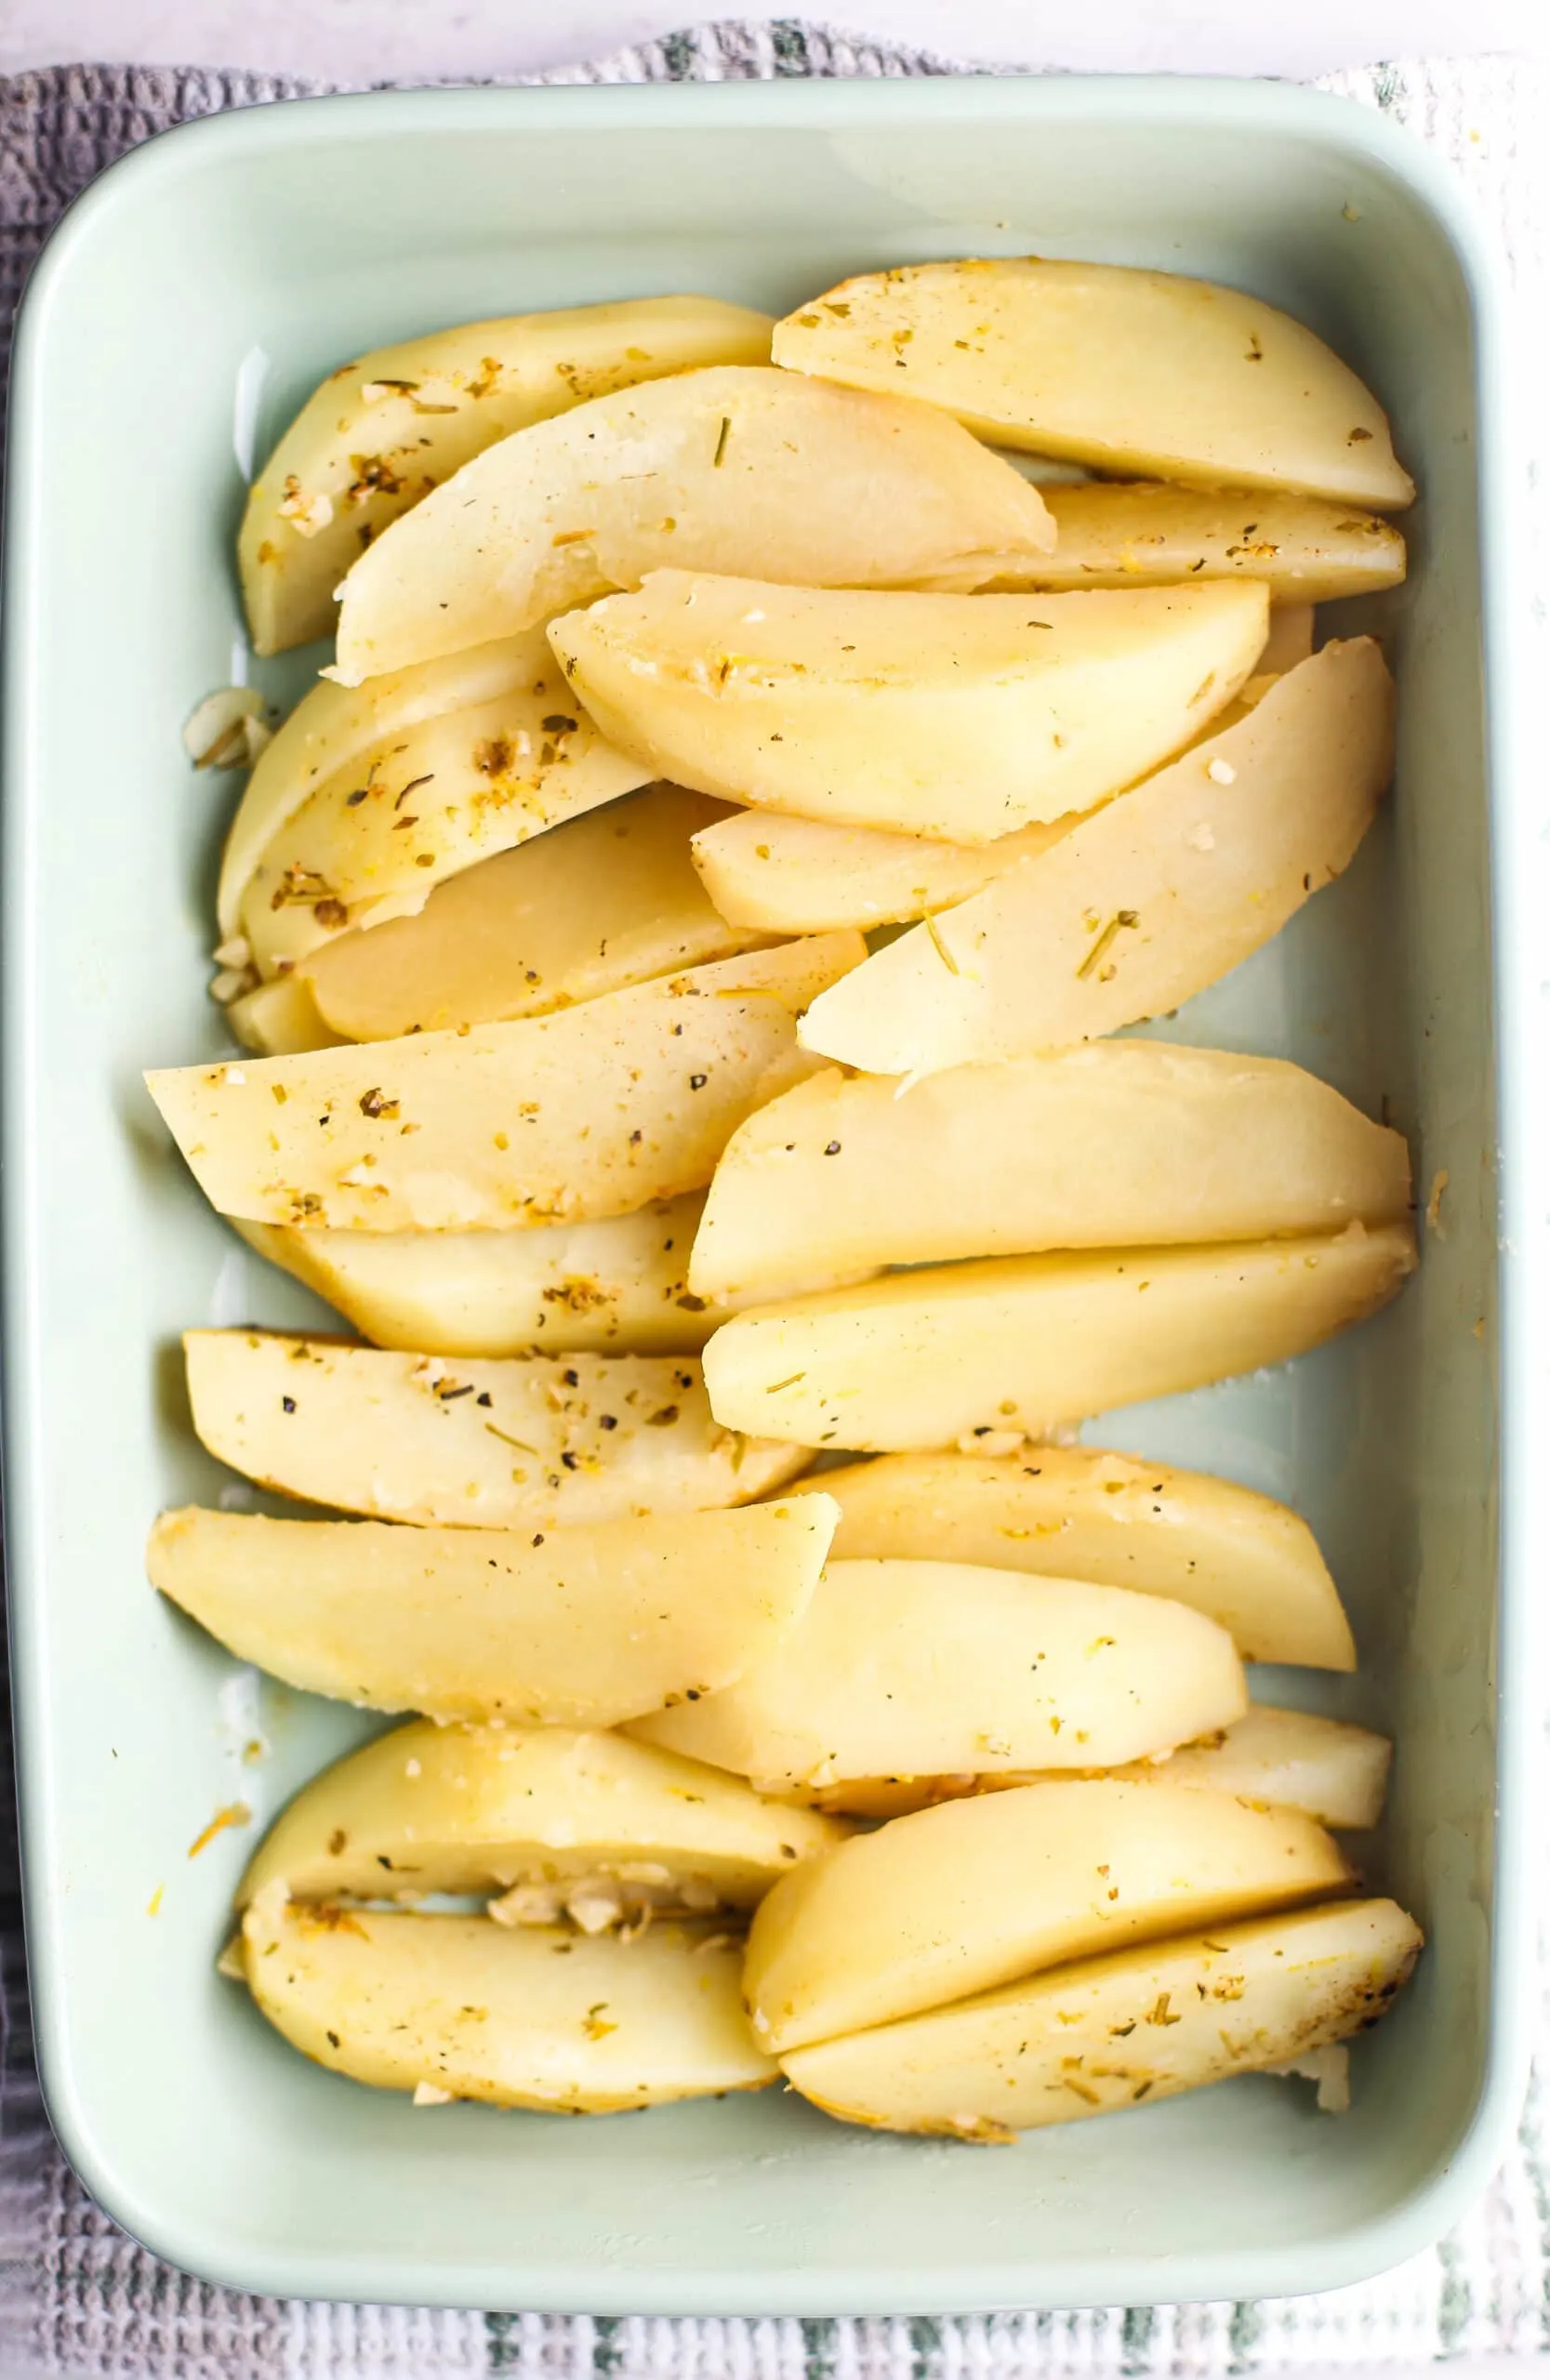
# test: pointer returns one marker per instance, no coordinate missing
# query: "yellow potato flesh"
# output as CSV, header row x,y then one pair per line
x,y
522,1443
920,1667
593,1112
1330,1771
1130,371
1082,1513
1336,1772
1307,552
957,717
623,1283
1145,903
747,471
610,900
1027,1343
1115,1144
374,840
331,730
1109,2032
381,432
430,1810
538,2018
788,875
961,1898
280,1019
578,1628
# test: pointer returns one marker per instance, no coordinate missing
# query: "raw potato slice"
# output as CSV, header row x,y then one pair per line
x,y
1130,371
564,1118
375,839
1145,902
381,432
925,1668
610,900
1307,552
281,1020
429,1809
1027,1343
1112,1145
802,876
619,1284
1109,2032
1081,1513
959,717
1336,1772
958,1899
455,2007
530,1442
1330,1771
579,1628
331,729
747,471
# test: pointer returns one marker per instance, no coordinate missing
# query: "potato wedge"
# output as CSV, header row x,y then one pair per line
x,y
610,900
374,839
1127,370
1247,1562
735,470
958,716
1108,2032
1336,1772
580,1628
1146,902
957,1353
1331,1771
281,1020
1111,1146
959,1899
778,873
455,2007
526,1442
925,1668
331,729
621,1284
1290,641
566,1119
430,1809
1127,535
381,432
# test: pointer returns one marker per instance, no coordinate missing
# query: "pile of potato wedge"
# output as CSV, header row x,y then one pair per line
x,y
677,950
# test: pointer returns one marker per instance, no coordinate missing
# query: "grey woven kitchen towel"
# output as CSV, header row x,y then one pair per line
x,y
76,2296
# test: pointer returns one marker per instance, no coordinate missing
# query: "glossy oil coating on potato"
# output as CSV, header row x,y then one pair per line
x,y
976,1893
1115,1144
467,1810
567,1118
622,1283
738,469
1130,371
458,2008
1247,1562
523,1442
920,1667
1109,2032
1146,902
609,900
958,716
576,1627
955,1353
383,430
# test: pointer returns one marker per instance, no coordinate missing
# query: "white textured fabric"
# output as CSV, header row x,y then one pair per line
x,y
77,2297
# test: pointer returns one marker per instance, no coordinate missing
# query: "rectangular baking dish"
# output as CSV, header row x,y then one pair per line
x,y
188,303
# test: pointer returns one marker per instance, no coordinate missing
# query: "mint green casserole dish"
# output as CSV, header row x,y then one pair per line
x,y
184,309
